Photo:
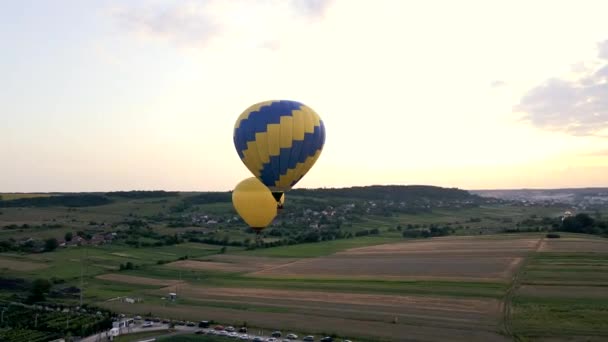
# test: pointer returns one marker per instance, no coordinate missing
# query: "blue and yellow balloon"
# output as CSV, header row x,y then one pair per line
x,y
279,142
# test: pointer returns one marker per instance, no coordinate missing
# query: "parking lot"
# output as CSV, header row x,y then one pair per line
x,y
138,324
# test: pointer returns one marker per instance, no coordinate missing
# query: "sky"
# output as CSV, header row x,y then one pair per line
x,y
141,95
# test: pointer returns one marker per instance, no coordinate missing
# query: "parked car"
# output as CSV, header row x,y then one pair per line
x,y
327,339
243,329
276,334
203,324
230,329
191,324
257,339
219,327
308,338
147,324
292,336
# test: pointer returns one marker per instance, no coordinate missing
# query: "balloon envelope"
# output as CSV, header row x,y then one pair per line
x,y
254,203
279,141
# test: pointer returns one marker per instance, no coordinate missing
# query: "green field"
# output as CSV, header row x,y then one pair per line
x,y
140,336
68,263
192,338
13,196
310,250
564,295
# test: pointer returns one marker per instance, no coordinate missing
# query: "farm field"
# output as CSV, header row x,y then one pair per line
x,y
68,263
311,250
351,305
232,263
564,291
451,258
13,196
429,306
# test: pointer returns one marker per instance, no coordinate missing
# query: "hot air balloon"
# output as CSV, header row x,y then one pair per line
x,y
254,203
279,141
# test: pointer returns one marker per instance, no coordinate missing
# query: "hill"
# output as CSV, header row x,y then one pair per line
x,y
391,193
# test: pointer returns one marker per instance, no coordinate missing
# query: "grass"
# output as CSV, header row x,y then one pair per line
x,y
418,287
560,316
98,289
311,250
14,196
234,306
573,314
65,263
140,336
567,268
192,338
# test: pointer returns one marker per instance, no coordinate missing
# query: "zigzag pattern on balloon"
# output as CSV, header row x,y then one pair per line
x,y
257,118
279,141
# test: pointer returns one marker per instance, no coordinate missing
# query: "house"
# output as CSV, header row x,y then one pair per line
x,y
98,239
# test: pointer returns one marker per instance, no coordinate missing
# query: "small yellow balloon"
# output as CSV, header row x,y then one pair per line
x,y
254,202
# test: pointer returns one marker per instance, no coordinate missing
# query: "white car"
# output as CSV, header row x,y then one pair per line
x,y
147,324
292,337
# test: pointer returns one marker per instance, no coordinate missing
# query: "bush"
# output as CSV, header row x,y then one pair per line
x,y
51,244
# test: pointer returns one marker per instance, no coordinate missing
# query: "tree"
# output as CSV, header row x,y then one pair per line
x,y
68,236
50,244
581,223
40,287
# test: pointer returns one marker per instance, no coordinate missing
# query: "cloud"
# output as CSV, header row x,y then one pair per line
x,y
186,23
578,107
498,84
598,153
244,22
603,49
311,9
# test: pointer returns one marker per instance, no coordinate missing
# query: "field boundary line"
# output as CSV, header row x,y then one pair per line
x,y
515,284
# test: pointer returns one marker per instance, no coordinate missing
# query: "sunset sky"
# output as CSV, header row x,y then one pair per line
x,y
121,95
